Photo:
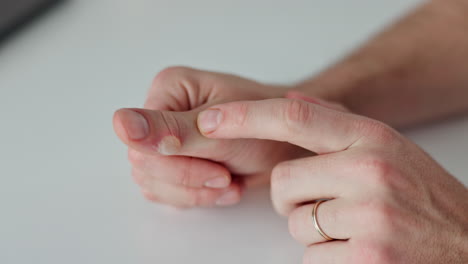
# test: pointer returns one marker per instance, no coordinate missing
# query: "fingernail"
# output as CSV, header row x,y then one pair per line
x,y
136,125
229,198
219,182
169,145
209,120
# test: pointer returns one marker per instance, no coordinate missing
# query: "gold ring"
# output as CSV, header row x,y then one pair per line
x,y
316,224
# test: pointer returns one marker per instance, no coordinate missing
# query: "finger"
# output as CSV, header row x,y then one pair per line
x,y
161,132
172,90
178,170
308,179
183,89
311,126
314,100
336,252
175,133
181,196
335,217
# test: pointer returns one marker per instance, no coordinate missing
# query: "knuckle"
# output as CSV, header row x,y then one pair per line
x,y
184,177
376,168
181,178
139,177
281,179
169,74
170,123
296,113
380,132
151,196
367,252
135,158
294,226
240,113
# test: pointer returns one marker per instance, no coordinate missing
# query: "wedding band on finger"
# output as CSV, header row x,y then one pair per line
x,y
316,224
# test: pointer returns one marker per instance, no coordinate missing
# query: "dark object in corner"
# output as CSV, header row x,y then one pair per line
x,y
16,13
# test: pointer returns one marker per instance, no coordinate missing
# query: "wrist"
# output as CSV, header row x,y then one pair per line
x,y
338,83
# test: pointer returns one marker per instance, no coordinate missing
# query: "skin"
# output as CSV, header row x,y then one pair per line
x,y
413,72
389,201
404,76
173,163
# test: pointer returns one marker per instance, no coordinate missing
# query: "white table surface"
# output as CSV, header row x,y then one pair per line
x,y
66,195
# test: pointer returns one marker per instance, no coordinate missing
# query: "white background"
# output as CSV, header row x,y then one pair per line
x,y
66,195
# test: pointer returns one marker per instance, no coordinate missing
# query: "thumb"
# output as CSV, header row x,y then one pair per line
x,y
160,132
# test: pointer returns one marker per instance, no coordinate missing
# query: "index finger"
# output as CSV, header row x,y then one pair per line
x,y
308,125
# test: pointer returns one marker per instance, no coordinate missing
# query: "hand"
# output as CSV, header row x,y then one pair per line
x,y
173,163
387,199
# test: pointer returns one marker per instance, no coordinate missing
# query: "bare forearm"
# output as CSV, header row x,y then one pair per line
x,y
415,71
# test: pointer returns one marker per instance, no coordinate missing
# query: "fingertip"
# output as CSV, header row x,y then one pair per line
x,y
148,195
278,207
231,197
310,99
137,179
130,124
215,176
218,182
209,120
233,194
119,128
301,96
